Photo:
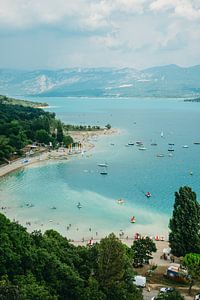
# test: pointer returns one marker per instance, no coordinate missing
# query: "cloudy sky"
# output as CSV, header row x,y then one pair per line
x,y
99,33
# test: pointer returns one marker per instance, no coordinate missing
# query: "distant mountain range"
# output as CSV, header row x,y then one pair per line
x,y
163,81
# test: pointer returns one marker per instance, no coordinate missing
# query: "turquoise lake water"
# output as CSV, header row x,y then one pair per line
x,y
131,172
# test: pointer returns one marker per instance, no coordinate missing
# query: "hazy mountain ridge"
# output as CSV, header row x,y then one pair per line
x,y
163,81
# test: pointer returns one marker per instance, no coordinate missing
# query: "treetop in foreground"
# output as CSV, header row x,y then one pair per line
x,y
185,223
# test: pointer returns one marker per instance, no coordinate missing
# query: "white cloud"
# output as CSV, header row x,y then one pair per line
x,y
189,9
126,32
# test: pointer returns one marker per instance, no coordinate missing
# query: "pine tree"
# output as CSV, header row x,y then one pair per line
x,y
60,134
185,223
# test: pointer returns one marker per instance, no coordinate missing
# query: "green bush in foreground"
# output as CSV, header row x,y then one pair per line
x,y
47,267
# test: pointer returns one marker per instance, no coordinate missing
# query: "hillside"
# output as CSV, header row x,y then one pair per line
x,y
163,81
25,103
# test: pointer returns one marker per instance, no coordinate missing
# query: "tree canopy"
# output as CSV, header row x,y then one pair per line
x,y
47,267
185,223
142,251
21,125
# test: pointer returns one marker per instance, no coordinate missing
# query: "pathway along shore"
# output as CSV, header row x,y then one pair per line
x,y
62,153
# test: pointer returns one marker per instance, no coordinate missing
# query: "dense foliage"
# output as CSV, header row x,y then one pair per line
x,y
21,125
185,223
46,266
142,251
192,262
171,295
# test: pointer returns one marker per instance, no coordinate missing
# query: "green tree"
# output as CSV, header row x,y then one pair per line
x,y
108,126
192,263
171,295
185,223
5,148
7,290
67,140
42,136
114,272
142,251
60,134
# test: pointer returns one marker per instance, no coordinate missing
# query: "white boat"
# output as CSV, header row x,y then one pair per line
x,y
131,144
162,134
142,148
185,146
79,205
104,165
160,155
120,201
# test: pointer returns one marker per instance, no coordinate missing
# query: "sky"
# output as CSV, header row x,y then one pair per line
x,y
53,34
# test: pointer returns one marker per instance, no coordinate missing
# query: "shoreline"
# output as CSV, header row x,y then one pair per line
x,y
60,154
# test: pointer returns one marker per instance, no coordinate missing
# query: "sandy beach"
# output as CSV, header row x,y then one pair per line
x,y
43,154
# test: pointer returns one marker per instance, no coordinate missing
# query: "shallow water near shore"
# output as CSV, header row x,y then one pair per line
x,y
30,194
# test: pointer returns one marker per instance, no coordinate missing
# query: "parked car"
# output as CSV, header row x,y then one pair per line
x,y
166,289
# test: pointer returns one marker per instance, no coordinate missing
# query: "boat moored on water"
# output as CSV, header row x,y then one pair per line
x,y
154,144
103,165
120,201
196,143
133,219
142,148
104,171
139,143
130,144
160,155
185,146
79,205
148,194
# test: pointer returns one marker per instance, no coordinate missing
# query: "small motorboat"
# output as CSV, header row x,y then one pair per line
x,y
171,144
120,201
79,205
142,148
138,143
170,149
104,173
103,165
185,146
154,144
130,144
160,155
133,219
53,207
196,143
148,194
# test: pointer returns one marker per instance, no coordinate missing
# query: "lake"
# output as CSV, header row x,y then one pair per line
x,y
131,172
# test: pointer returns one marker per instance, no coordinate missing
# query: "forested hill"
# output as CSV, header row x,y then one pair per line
x,y
21,125
8,100
47,267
